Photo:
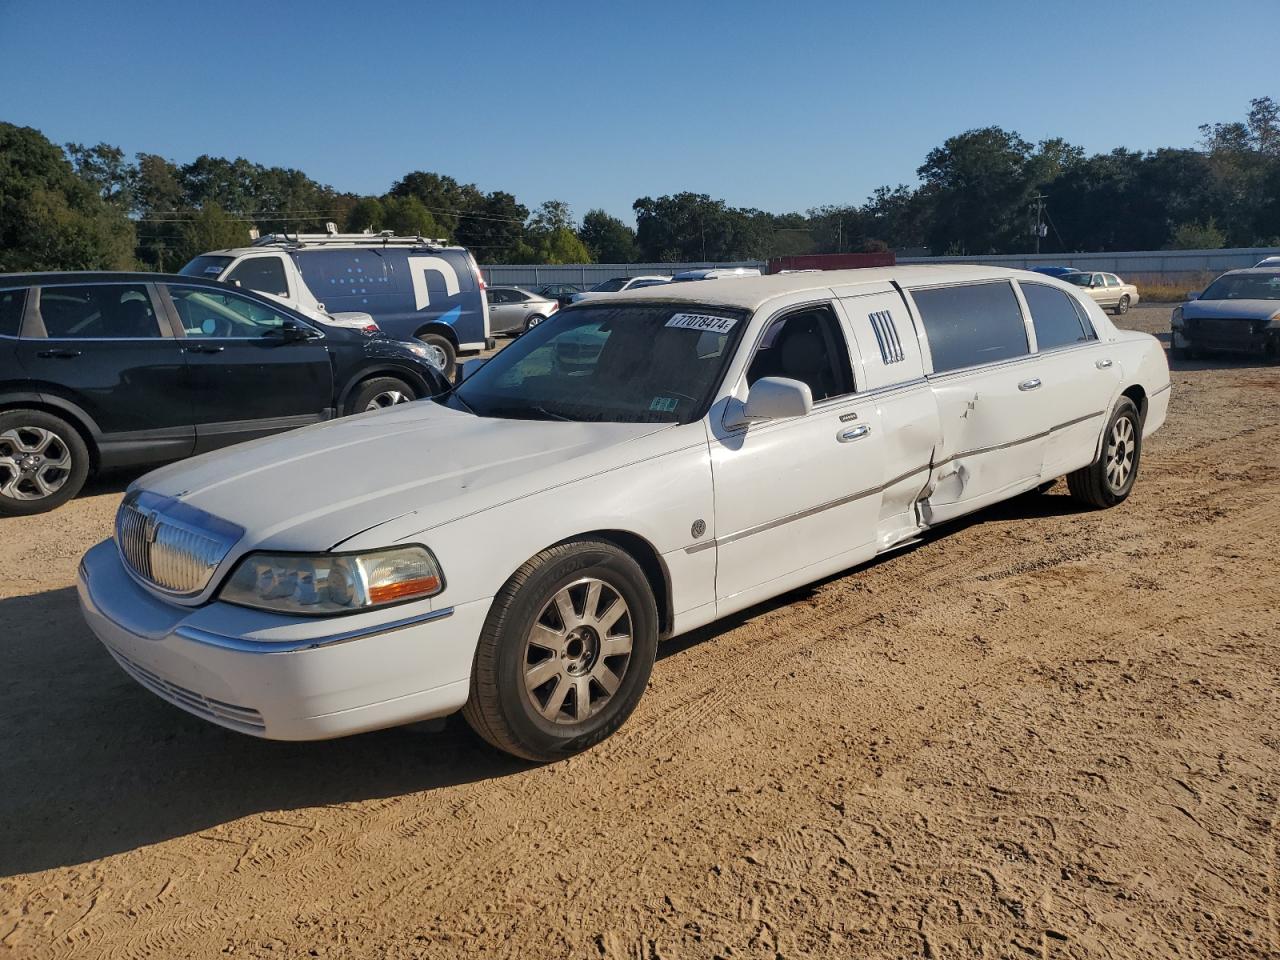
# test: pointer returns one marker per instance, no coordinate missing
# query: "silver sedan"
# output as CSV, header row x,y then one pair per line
x,y
514,310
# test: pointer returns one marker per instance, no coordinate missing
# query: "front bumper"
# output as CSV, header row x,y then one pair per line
x,y
283,678
1213,333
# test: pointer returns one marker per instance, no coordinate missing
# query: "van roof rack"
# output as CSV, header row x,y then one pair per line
x,y
384,239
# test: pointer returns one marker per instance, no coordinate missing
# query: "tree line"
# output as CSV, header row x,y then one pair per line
x,y
983,191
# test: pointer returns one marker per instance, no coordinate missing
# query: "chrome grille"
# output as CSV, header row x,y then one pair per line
x,y
171,545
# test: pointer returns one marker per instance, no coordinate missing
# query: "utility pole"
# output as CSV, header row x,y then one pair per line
x,y
1039,231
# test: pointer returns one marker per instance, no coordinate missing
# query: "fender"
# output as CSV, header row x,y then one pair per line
x,y
443,329
389,369
17,398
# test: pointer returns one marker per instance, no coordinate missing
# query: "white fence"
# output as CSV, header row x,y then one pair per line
x,y
1145,263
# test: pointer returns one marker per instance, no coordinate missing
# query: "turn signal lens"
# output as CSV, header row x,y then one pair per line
x,y
328,584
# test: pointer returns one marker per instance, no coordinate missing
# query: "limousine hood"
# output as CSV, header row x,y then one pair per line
x,y
1230,309
313,488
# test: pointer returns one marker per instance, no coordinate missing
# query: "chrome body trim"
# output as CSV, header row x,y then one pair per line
x,y
243,645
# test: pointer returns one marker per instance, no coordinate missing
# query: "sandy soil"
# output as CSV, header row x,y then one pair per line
x,y
1048,733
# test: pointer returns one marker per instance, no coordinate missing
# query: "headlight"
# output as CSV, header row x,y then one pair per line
x,y
324,584
1175,320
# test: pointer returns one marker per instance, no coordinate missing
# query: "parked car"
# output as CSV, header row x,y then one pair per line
x,y
1268,262
101,370
412,287
1055,271
629,470
515,310
562,293
618,285
1238,312
1106,290
719,273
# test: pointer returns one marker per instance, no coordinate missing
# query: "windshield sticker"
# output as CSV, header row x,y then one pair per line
x,y
664,404
702,321
213,269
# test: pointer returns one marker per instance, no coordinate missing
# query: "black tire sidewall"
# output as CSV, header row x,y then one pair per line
x,y
532,322
1125,408
539,736
369,389
450,354
74,443
1122,307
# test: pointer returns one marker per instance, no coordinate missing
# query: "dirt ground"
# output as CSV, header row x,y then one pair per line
x,y
1046,733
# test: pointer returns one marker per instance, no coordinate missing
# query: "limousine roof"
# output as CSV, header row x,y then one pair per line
x,y
751,292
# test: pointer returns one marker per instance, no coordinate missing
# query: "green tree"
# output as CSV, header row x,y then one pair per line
x,y
212,228
407,217
607,239
367,214
50,218
105,168
1198,236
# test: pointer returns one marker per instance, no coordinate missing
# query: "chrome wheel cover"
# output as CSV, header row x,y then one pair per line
x,y
387,398
35,463
1121,449
577,652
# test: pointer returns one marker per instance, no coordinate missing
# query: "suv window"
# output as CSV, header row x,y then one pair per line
x,y
971,324
264,274
100,311
11,304
206,312
1054,316
806,346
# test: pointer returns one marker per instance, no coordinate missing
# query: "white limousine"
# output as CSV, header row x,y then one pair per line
x,y
627,471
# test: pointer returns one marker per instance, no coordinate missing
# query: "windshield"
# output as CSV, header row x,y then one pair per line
x,y
205,266
630,363
1244,286
610,286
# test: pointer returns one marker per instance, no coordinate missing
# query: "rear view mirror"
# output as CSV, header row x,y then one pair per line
x,y
778,398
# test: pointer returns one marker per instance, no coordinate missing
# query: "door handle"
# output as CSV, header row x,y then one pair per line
x,y
1032,384
1103,364
58,354
853,433
204,348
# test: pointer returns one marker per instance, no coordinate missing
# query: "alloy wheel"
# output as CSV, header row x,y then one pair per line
x,y
1120,453
34,463
387,398
578,651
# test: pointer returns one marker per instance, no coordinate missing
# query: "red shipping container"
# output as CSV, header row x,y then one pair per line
x,y
832,261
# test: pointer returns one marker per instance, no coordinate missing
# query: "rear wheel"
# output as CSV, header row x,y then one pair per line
x,y
440,352
43,462
1122,307
1110,479
565,653
532,322
379,392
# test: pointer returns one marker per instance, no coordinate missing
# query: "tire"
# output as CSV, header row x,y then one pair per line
x,y
379,392
1095,485
1122,307
531,322
444,350
526,698
44,462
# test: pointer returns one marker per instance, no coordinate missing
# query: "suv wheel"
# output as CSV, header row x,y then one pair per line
x,y
565,653
1110,479
379,392
441,354
43,462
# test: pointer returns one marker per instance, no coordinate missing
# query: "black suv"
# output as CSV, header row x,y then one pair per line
x,y
103,370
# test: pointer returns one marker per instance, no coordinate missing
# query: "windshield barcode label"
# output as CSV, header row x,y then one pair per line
x,y
702,321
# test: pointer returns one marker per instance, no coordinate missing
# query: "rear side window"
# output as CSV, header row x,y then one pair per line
x,y
102,311
1054,315
263,274
11,304
972,324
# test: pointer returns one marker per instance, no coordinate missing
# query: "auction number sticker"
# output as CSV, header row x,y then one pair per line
x,y
702,321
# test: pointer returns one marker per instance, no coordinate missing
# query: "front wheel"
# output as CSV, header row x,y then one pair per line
x,y
1110,479
43,462
440,352
565,653
1122,307
379,392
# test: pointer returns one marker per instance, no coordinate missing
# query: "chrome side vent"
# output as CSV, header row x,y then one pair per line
x,y
170,545
887,336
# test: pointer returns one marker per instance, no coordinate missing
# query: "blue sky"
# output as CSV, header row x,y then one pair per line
x,y
771,105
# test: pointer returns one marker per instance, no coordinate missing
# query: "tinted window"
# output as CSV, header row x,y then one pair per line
x,y
610,286
96,312
1244,286
11,304
213,313
264,274
627,363
1054,316
808,347
973,324
206,266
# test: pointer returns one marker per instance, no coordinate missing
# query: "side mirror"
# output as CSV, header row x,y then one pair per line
x,y
778,398
1193,294
291,332
470,366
